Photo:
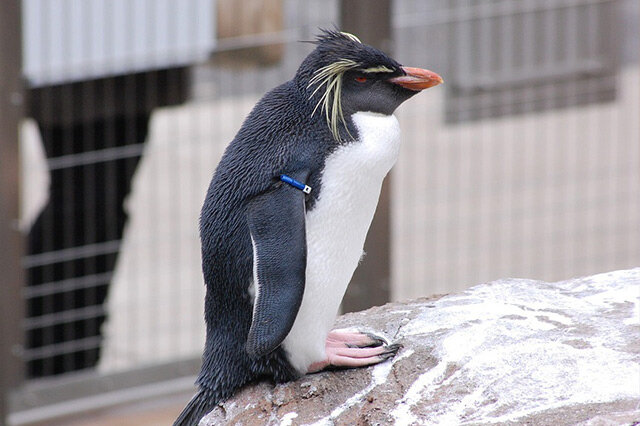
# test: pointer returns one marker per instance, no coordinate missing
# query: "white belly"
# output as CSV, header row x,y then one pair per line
x,y
336,229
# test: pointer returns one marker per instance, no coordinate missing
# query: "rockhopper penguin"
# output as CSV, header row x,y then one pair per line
x,y
286,215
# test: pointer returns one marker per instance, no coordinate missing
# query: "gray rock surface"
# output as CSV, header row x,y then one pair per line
x,y
507,352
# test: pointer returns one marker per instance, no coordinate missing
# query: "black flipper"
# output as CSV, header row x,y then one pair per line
x,y
277,224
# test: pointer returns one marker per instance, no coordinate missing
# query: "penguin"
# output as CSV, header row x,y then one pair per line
x,y
285,218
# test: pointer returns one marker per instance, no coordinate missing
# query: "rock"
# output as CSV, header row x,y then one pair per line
x,y
510,352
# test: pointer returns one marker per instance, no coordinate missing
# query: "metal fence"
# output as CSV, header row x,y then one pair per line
x,y
530,166
524,163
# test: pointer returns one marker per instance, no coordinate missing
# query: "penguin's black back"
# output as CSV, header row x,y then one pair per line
x,y
279,136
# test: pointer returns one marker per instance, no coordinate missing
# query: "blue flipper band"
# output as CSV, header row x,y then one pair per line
x,y
299,185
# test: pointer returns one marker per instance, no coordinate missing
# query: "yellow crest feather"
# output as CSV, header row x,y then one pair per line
x,y
350,36
379,68
330,77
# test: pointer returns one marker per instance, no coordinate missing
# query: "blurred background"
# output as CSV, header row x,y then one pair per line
x,y
114,114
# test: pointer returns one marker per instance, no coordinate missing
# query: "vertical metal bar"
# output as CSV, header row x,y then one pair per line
x,y
371,282
65,361
90,176
11,271
486,152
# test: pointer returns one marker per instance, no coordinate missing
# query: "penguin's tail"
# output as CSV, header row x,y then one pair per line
x,y
200,405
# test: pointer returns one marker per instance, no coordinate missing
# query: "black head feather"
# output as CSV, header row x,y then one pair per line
x,y
333,46
321,75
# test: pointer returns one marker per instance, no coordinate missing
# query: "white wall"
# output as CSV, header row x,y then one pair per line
x,y
547,195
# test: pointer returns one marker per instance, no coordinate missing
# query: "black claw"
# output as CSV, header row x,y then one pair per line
x,y
394,347
377,341
390,351
386,355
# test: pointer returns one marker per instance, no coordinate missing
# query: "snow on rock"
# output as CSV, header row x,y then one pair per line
x,y
511,351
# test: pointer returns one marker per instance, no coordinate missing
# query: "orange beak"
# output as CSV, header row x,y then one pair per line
x,y
417,79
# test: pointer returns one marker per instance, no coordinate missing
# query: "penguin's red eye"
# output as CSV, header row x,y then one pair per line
x,y
361,79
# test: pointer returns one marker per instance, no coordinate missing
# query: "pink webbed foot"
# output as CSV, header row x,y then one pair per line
x,y
351,349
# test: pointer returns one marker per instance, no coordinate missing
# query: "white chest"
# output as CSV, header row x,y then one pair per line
x,y
337,227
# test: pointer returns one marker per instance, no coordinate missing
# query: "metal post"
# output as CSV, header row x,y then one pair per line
x,y
370,286
11,240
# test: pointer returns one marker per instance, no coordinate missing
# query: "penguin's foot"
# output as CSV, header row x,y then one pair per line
x,y
350,349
